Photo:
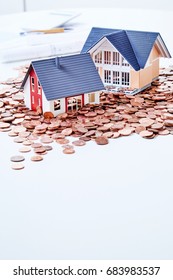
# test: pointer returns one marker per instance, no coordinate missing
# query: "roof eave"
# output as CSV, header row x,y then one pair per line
x,y
162,47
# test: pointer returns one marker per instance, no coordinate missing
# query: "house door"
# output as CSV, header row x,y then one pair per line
x,y
35,92
74,103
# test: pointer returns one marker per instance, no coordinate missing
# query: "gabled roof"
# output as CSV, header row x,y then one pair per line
x,y
135,46
66,76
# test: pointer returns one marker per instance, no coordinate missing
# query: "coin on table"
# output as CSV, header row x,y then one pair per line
x,y
125,131
68,151
164,132
62,141
79,143
101,140
115,135
36,158
17,158
67,131
25,149
17,166
48,147
146,133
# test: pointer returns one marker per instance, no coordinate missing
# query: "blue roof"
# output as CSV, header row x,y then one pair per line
x,y
76,74
134,46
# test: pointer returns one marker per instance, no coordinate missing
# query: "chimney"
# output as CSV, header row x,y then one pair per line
x,y
57,62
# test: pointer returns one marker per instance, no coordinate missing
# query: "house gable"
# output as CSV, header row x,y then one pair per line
x,y
66,76
135,46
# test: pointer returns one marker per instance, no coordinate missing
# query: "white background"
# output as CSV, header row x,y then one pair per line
x,y
13,6
111,202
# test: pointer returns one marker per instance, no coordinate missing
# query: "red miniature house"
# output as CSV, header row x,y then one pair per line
x,y
62,84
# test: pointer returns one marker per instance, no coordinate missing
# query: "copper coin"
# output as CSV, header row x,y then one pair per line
x,y
17,158
28,142
108,134
115,135
79,143
68,151
146,121
157,125
36,158
67,131
19,140
85,138
17,166
62,141
46,140
4,125
58,136
164,132
18,129
25,149
168,122
48,147
36,145
125,131
40,150
90,133
12,134
101,140
68,146
146,133
139,128
82,129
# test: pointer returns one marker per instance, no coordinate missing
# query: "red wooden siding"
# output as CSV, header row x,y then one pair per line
x,y
35,91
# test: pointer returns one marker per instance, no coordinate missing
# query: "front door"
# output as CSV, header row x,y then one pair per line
x,y
35,92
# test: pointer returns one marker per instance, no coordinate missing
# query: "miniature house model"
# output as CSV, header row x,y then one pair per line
x,y
62,84
124,58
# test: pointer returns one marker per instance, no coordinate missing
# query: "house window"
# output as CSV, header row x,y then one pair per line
x,y
124,62
116,77
39,102
91,97
107,76
116,58
98,57
107,57
57,104
39,88
32,99
32,84
125,78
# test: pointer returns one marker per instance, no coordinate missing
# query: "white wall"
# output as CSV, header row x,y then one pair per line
x,y
12,6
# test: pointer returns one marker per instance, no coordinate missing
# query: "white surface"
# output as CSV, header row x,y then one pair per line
x,y
103,202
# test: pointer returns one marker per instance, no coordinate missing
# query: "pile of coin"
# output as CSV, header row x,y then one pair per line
x,y
148,114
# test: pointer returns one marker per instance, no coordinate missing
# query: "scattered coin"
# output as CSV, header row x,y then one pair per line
x,y
101,140
25,149
17,166
79,143
36,158
17,158
68,151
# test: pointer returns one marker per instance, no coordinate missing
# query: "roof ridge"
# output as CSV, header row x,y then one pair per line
x,y
132,48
